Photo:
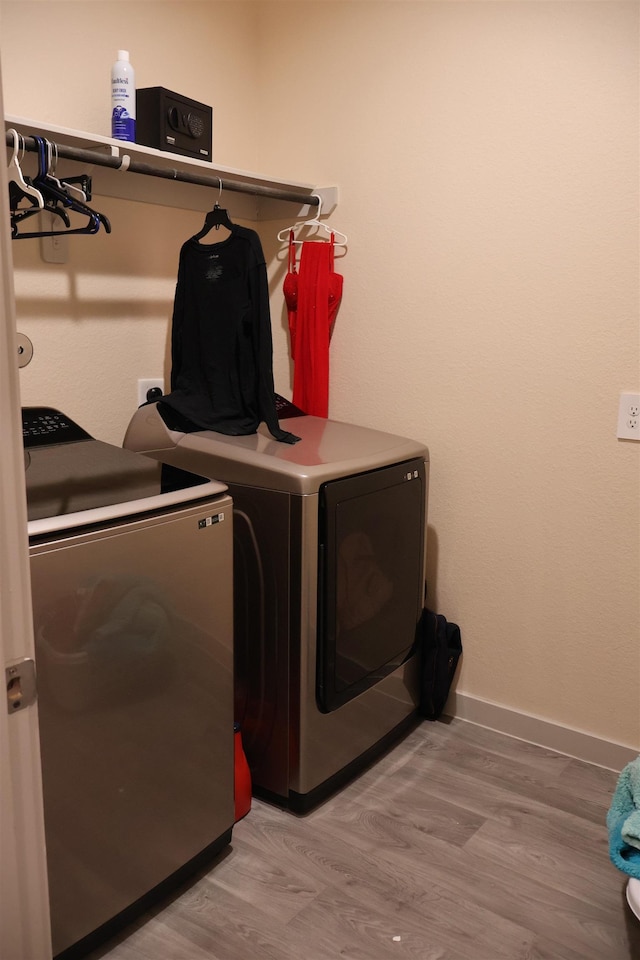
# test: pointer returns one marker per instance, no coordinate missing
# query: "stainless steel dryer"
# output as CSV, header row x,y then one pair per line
x,y
131,571
329,567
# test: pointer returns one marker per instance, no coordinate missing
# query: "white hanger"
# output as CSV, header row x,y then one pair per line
x,y
14,173
340,238
69,188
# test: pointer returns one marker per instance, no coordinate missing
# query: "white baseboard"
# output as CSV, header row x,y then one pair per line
x,y
544,733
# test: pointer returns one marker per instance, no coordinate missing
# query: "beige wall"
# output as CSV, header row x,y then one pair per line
x,y
487,160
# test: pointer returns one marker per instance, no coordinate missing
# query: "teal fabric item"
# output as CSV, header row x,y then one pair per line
x,y
623,821
631,826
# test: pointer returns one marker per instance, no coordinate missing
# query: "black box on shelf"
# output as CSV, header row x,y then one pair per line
x,y
169,121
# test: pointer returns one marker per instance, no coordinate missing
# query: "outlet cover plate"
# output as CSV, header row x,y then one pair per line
x,y
629,417
144,385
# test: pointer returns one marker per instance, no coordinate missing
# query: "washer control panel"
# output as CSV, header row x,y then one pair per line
x,y
44,425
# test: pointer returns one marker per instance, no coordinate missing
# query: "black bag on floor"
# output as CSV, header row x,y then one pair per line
x,y
440,646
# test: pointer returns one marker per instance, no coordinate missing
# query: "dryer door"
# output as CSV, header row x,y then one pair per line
x,y
371,563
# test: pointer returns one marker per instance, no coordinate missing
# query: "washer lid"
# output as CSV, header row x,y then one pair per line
x,y
89,481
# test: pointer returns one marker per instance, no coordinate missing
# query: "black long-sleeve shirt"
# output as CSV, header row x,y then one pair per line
x,y
221,347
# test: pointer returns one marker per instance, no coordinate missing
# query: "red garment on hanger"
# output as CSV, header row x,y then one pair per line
x,y
313,297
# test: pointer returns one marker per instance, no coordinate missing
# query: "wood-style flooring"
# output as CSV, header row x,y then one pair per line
x,y
458,844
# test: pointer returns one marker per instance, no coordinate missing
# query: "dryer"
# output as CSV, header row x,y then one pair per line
x,y
329,570
131,574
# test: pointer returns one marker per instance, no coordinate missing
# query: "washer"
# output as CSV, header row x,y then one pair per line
x,y
131,576
329,570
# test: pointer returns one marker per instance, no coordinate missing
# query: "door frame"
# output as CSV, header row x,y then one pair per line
x,y
24,894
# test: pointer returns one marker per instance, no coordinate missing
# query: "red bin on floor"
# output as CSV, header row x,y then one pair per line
x,y
242,776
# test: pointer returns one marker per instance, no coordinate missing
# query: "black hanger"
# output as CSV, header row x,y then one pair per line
x,y
218,217
91,227
83,181
20,215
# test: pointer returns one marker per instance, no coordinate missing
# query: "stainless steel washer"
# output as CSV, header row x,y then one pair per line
x,y
131,568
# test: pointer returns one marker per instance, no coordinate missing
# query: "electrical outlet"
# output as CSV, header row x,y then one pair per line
x,y
53,248
629,416
145,385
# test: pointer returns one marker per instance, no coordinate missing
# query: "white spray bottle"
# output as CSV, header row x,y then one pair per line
x,y
123,98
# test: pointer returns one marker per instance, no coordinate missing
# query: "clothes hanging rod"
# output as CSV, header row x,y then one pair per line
x,y
81,155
